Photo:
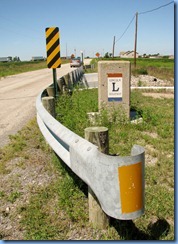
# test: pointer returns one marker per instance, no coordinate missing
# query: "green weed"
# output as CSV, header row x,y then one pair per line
x,y
13,196
72,110
2,194
141,71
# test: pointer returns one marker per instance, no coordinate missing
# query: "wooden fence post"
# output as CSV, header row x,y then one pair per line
x,y
99,137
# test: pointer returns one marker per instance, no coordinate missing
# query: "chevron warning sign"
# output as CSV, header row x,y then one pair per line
x,y
53,47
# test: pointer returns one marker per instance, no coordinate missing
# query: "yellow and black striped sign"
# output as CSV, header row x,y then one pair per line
x,y
53,47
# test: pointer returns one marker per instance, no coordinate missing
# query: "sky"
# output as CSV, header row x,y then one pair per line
x,y
87,26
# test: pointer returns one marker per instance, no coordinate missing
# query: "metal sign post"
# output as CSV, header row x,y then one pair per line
x,y
55,82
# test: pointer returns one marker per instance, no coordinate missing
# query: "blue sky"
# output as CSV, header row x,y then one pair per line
x,y
85,25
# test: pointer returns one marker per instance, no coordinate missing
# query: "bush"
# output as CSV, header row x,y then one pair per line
x,y
140,71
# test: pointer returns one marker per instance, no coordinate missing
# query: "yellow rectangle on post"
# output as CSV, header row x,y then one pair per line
x,y
53,47
131,192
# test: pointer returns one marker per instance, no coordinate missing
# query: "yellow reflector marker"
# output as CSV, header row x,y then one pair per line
x,y
130,178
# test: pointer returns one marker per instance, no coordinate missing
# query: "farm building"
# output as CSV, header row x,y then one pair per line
x,y
38,58
5,59
128,54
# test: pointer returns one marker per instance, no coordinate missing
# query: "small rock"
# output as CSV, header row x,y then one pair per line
x,y
7,210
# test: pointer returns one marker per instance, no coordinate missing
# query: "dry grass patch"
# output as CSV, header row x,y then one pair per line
x,y
158,95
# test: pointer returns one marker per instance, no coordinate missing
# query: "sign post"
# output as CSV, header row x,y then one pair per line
x,y
55,82
53,52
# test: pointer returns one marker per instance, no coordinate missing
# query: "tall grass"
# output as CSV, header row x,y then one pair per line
x,y
160,68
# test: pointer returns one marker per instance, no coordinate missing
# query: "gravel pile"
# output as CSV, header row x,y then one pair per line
x,y
147,80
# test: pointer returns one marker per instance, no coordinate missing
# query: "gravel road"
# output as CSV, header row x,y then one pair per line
x,y
18,96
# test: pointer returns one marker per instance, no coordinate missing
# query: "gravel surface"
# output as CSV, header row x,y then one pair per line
x,y
148,80
18,96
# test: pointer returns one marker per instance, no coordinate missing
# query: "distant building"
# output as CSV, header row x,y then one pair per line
x,y
171,57
38,58
155,57
128,54
5,59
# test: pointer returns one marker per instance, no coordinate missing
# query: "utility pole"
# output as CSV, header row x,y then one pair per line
x,y
66,50
135,46
113,47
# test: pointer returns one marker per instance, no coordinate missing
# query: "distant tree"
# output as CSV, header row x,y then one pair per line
x,y
156,54
106,55
72,56
16,59
97,55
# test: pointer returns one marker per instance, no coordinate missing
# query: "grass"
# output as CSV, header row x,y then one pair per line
x,y
160,68
12,68
76,103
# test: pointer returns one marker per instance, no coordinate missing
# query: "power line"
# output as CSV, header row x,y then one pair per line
x,y
126,29
162,6
148,11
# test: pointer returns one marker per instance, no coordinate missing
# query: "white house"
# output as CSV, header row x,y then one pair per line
x,y
128,54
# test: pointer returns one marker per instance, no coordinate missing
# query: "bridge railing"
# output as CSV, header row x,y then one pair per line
x,y
117,182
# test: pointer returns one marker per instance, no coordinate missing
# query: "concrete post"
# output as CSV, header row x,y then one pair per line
x,y
49,105
50,91
114,85
99,137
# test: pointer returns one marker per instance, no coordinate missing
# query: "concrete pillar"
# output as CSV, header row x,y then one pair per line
x,y
49,104
114,85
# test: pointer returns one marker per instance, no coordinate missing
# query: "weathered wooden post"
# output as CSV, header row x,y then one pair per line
x,y
99,137
49,104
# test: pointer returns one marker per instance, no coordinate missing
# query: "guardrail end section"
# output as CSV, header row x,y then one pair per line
x,y
132,185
